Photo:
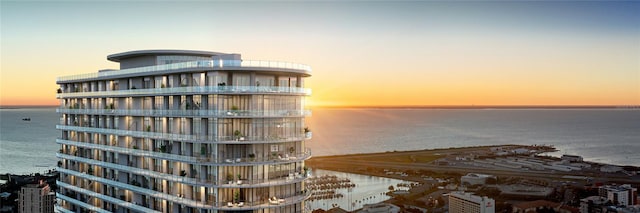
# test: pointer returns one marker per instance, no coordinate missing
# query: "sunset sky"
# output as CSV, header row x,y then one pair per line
x,y
362,53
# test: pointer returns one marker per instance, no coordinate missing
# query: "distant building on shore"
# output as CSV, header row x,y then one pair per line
x,y
380,208
593,204
477,179
572,158
549,206
620,195
602,204
610,169
460,202
36,198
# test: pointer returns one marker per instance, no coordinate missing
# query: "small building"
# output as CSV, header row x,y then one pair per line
x,y
622,195
461,202
592,204
610,169
336,210
501,153
525,191
380,208
476,179
36,198
4,202
496,149
521,151
572,158
533,206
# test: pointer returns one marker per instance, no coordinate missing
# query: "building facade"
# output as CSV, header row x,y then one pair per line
x,y
593,204
460,202
184,131
36,198
620,195
543,206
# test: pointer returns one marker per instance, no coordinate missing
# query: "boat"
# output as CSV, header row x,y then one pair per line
x,y
26,119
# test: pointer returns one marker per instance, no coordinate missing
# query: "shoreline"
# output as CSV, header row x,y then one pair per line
x,y
437,172
433,161
422,150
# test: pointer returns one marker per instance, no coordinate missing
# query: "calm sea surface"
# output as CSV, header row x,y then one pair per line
x,y
600,135
607,136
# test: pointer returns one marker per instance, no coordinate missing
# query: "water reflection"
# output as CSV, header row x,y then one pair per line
x,y
367,190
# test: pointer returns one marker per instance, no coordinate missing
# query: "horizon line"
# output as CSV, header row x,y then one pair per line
x,y
489,106
524,106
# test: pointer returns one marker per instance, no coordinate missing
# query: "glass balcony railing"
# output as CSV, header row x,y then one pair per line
x,y
60,209
197,138
243,161
269,203
188,90
199,113
140,190
90,193
212,64
222,205
292,177
81,204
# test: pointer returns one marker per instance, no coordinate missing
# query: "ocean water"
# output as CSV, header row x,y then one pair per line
x,y
600,135
28,146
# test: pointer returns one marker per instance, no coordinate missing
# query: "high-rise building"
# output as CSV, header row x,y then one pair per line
x,y
184,131
460,202
36,198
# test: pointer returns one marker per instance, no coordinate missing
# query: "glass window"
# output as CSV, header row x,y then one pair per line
x,y
241,80
171,59
265,80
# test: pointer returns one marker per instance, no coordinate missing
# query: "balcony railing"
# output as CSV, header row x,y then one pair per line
x,y
197,138
148,192
81,204
213,64
293,176
61,209
189,90
201,113
292,199
278,202
106,198
239,161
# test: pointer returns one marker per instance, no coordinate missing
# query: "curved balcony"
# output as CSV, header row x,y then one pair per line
x,y
81,204
293,199
292,177
195,65
106,198
191,90
278,202
185,137
243,161
190,113
137,189
60,209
